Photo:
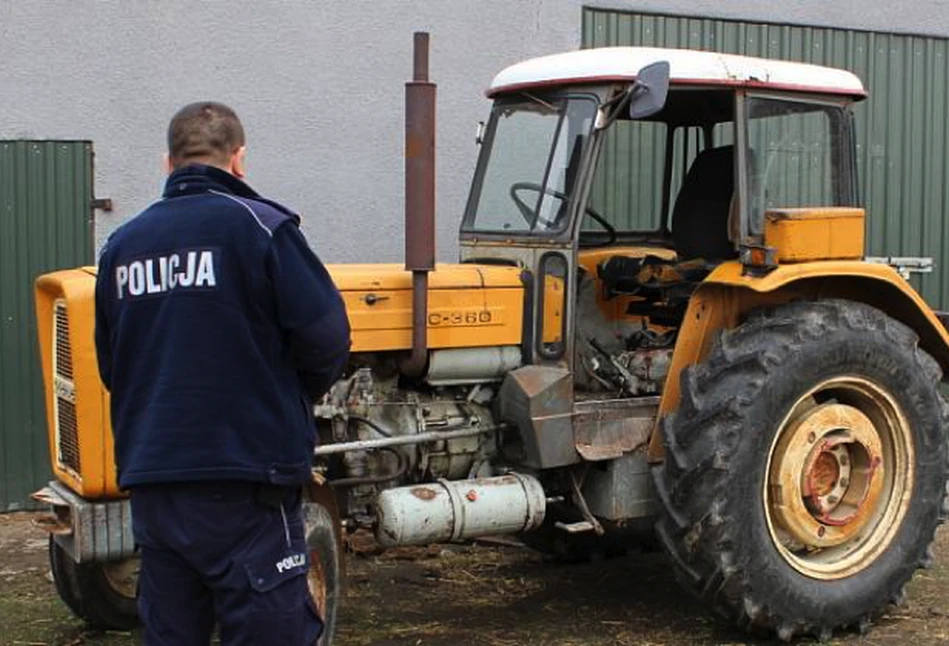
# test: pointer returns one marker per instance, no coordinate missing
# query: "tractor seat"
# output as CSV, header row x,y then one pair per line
x,y
701,232
700,218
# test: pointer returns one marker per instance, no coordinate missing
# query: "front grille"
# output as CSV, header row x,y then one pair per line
x,y
64,392
63,350
68,434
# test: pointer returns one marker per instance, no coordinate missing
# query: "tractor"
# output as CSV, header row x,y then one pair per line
x,y
662,329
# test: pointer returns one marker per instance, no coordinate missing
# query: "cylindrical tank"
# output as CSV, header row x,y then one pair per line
x,y
453,510
459,366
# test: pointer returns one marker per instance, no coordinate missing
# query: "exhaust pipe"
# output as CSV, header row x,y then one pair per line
x,y
419,199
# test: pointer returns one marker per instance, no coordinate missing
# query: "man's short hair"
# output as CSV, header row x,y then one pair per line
x,y
206,132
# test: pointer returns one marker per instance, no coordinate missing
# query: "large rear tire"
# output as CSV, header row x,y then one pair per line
x,y
806,467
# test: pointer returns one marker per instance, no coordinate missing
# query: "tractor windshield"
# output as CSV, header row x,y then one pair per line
x,y
528,167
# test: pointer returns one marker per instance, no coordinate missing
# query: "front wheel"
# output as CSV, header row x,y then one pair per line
x,y
806,468
323,577
100,593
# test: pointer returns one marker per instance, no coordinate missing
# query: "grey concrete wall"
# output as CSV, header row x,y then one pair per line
x,y
318,85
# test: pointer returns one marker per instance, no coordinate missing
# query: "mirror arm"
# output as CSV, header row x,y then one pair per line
x,y
616,105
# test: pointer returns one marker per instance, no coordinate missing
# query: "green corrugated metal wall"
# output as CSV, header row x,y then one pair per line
x,y
902,131
45,224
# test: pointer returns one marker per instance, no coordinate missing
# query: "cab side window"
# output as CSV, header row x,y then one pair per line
x,y
796,156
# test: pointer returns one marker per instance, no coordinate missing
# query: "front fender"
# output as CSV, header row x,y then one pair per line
x,y
727,295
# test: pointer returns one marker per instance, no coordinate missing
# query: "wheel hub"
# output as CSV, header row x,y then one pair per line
x,y
824,474
827,485
839,473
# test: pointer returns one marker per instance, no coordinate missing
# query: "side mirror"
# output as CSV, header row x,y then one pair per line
x,y
648,95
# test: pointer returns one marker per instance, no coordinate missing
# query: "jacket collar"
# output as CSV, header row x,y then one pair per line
x,y
200,178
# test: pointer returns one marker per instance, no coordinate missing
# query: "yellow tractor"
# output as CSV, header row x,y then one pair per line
x,y
662,328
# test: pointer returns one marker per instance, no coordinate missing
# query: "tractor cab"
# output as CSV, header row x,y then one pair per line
x,y
626,175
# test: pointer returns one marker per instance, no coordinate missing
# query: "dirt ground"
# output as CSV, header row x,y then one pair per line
x,y
478,595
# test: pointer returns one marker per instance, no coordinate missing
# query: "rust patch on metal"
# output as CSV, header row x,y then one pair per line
x,y
316,582
823,475
423,493
606,429
53,524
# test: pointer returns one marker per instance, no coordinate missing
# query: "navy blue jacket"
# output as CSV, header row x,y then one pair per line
x,y
216,329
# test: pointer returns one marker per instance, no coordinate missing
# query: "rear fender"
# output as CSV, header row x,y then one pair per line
x,y
726,296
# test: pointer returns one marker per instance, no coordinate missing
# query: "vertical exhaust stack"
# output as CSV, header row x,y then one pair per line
x,y
419,198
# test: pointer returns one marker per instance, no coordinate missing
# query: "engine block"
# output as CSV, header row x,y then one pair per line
x,y
367,406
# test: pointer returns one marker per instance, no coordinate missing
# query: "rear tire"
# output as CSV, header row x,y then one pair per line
x,y
806,467
101,594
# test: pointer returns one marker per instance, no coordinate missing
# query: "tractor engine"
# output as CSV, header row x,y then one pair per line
x,y
628,357
433,444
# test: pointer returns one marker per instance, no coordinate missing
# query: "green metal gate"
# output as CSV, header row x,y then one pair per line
x,y
45,224
902,129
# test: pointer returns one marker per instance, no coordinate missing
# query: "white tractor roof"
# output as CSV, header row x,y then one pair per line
x,y
687,67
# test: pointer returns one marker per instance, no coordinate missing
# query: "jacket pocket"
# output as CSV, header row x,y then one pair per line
x,y
269,572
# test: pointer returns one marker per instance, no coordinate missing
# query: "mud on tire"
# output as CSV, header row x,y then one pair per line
x,y
805,470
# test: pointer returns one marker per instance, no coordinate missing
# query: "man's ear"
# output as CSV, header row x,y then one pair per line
x,y
237,163
166,164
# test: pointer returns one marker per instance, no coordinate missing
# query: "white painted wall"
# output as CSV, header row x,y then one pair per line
x,y
318,85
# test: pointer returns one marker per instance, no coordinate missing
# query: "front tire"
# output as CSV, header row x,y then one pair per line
x,y
805,469
100,593
323,578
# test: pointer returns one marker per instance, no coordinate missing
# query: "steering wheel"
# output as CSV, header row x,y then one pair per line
x,y
528,212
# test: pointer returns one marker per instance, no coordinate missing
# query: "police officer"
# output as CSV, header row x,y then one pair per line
x,y
216,330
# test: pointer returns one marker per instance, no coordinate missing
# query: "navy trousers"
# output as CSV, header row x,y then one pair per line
x,y
223,553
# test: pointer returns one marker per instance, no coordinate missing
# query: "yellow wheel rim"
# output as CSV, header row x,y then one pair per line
x,y
839,478
122,576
